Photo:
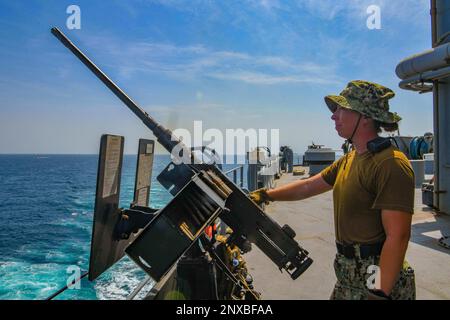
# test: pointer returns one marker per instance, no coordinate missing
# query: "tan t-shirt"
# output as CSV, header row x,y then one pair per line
x,y
363,185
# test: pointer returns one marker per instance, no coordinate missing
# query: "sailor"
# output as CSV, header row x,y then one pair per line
x,y
373,197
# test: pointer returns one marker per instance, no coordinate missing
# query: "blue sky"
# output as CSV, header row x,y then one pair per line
x,y
232,64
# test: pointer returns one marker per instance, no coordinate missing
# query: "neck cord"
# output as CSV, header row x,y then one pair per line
x,y
349,141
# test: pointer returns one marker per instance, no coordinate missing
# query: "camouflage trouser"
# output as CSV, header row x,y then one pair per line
x,y
353,274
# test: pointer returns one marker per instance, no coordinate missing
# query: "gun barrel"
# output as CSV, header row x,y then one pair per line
x,y
164,136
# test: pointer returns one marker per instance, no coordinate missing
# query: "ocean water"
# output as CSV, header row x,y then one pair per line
x,y
46,205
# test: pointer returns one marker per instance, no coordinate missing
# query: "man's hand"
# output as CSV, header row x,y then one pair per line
x,y
377,295
260,196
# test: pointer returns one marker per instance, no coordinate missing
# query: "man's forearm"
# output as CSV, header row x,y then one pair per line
x,y
291,192
391,261
300,189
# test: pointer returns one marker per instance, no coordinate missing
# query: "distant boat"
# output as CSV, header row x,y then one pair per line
x,y
318,158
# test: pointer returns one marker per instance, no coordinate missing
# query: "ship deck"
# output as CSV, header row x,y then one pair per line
x,y
312,220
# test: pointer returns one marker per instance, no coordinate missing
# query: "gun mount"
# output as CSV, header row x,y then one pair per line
x,y
202,193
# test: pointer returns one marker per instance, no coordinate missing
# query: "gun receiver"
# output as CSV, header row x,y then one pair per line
x,y
247,220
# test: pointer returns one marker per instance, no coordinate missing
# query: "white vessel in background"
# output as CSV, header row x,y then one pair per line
x,y
318,158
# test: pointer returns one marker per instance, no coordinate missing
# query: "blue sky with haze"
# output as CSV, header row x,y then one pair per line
x,y
233,64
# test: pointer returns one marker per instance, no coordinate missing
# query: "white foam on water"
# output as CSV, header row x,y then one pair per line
x,y
22,280
51,255
119,282
75,220
8,264
145,290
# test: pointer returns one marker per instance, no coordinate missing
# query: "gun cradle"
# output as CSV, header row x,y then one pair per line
x,y
250,222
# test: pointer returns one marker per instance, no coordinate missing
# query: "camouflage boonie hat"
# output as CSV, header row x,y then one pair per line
x,y
367,98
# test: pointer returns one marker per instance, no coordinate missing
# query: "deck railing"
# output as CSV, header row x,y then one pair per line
x,y
241,174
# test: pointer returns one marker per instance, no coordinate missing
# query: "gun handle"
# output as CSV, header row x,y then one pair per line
x,y
305,265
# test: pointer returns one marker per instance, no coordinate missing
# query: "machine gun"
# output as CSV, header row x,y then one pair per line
x,y
156,239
